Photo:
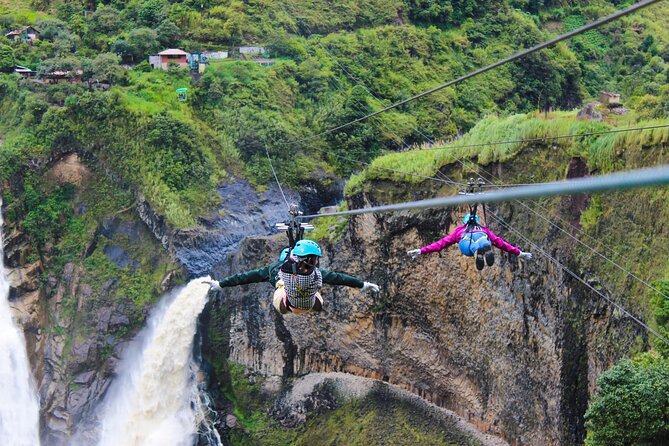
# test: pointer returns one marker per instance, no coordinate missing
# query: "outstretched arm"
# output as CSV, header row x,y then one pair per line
x,y
254,276
501,243
335,278
445,242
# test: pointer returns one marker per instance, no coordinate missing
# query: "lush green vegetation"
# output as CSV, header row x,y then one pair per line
x,y
378,419
601,152
330,228
334,63
631,405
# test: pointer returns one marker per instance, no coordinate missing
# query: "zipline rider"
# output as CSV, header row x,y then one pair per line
x,y
297,279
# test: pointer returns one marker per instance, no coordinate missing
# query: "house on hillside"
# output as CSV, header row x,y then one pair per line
x,y
24,71
60,77
265,62
214,55
609,98
24,34
170,56
252,50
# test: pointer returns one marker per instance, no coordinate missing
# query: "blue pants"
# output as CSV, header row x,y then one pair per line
x,y
471,241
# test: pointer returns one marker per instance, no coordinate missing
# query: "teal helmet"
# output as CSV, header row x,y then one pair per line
x,y
466,218
284,254
305,248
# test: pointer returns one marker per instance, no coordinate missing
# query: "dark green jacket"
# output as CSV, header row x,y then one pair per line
x,y
270,273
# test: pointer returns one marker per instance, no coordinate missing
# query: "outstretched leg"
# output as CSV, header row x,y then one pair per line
x,y
279,300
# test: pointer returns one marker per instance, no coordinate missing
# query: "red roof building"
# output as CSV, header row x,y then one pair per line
x,y
165,58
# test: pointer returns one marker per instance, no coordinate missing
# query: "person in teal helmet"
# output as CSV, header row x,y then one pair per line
x,y
474,240
297,279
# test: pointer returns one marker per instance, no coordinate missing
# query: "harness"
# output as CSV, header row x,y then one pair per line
x,y
305,284
295,233
472,225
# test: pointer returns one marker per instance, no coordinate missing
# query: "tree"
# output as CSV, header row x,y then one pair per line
x,y
632,404
152,12
7,61
106,20
105,68
168,34
51,28
68,63
121,48
174,152
142,42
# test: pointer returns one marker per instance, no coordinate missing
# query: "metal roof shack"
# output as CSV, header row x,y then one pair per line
x,y
608,97
24,34
23,71
265,62
59,77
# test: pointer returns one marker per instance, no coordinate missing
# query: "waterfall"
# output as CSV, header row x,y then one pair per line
x,y
155,399
19,404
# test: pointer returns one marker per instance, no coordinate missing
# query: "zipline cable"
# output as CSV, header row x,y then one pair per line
x,y
276,177
593,250
622,180
359,83
513,57
575,276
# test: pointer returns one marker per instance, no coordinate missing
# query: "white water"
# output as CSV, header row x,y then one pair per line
x,y
19,404
155,399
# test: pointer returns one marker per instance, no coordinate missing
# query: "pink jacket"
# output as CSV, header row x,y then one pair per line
x,y
455,236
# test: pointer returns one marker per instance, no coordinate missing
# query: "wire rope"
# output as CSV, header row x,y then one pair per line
x,y
513,57
577,277
285,200
622,180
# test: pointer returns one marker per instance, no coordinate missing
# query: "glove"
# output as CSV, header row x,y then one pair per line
x,y
213,284
370,286
525,255
414,253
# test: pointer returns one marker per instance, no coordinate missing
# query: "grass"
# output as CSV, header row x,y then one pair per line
x,y
600,151
377,419
330,228
21,10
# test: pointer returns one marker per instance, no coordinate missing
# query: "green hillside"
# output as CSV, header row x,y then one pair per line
x,y
329,63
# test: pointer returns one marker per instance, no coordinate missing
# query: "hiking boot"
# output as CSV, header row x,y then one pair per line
x,y
489,256
479,259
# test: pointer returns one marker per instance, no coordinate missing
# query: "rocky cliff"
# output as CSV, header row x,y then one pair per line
x,y
515,349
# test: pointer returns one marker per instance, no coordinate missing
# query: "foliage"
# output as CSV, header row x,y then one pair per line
x,y
105,68
7,60
330,228
175,156
46,218
600,151
631,405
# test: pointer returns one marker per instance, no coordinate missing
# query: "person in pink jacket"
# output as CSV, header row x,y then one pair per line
x,y
473,240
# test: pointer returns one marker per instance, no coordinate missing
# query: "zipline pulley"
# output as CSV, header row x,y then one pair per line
x,y
294,230
471,190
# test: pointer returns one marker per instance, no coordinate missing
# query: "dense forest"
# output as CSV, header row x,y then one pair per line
x,y
331,62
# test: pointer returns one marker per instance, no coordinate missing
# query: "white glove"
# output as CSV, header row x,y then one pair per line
x,y
213,284
414,253
370,286
525,255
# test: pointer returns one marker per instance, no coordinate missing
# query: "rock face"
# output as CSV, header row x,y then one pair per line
x,y
515,349
242,212
322,392
77,318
